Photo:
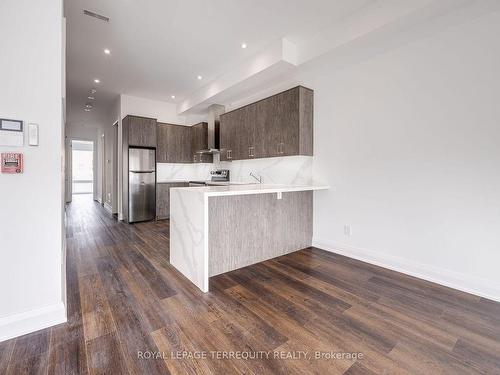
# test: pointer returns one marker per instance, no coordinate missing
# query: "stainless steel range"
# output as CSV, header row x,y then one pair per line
x,y
220,177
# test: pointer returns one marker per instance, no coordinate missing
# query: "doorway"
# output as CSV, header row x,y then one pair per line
x,y
82,167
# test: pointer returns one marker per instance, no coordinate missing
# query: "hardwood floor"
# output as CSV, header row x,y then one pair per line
x,y
125,303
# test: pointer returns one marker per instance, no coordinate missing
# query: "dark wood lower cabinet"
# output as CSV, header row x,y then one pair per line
x,y
163,198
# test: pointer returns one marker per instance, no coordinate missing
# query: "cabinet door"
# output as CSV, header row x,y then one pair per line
x,y
172,145
142,131
161,147
186,152
288,123
281,123
306,121
148,132
257,118
178,145
163,198
243,134
227,135
162,201
199,136
269,110
134,131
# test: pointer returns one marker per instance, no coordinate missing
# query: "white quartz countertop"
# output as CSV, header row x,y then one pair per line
x,y
241,189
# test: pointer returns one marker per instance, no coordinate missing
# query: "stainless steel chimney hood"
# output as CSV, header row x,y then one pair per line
x,y
214,112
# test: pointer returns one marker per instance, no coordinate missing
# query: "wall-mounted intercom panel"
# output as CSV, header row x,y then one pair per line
x,y
11,133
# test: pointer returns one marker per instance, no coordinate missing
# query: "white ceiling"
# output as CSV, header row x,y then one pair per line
x,y
159,47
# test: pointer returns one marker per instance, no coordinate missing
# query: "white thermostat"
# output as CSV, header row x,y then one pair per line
x,y
11,132
33,134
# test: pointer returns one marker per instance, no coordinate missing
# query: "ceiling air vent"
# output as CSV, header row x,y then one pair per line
x,y
95,15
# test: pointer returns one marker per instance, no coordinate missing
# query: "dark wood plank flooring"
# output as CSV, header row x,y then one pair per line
x,y
124,297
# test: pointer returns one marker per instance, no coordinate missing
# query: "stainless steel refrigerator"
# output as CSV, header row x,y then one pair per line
x,y
141,184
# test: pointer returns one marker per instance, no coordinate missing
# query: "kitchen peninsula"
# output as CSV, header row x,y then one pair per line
x,y
216,229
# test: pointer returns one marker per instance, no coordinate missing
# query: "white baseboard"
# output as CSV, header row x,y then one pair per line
x,y
465,283
30,321
108,208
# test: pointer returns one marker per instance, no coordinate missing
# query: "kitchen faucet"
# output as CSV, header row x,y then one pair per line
x,y
259,179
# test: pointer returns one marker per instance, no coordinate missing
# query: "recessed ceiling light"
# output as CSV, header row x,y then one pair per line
x,y
87,109
88,105
93,91
199,77
90,97
107,51
173,96
243,45
97,80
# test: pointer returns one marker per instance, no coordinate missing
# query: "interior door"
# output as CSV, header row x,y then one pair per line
x,y
69,175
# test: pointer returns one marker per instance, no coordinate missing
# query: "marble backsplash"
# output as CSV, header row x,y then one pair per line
x,y
295,170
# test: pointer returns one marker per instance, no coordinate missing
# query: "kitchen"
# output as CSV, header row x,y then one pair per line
x,y
271,130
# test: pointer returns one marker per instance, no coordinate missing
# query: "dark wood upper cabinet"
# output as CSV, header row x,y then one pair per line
x,y
141,131
280,125
174,143
199,141
228,123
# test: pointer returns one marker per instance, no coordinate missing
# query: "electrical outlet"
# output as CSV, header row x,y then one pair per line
x,y
347,230
279,195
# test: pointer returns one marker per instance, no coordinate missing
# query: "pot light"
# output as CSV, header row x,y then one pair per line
x,y
87,109
97,80
107,51
93,91
173,96
199,77
88,105
243,45
90,97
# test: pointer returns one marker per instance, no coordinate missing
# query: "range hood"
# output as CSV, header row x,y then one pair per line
x,y
214,112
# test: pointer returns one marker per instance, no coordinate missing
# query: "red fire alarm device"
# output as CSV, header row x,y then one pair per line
x,y
12,162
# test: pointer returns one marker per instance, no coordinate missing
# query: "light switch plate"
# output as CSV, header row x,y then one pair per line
x,y
33,134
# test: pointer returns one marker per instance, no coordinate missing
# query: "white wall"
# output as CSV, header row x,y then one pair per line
x,y
409,141
407,134
31,227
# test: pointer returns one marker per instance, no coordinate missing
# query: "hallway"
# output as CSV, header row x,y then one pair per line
x,y
125,303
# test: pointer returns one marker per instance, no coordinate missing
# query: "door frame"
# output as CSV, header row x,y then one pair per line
x,y
103,169
69,167
114,198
